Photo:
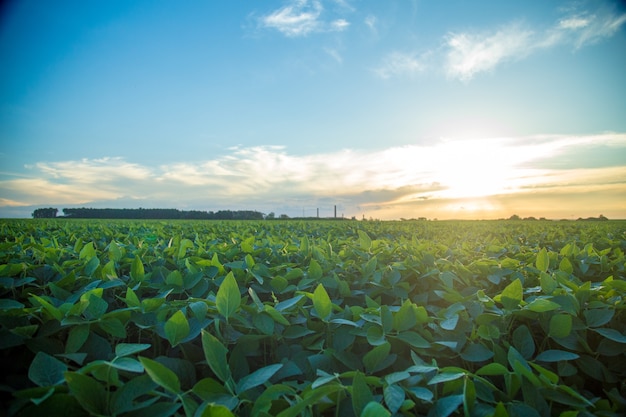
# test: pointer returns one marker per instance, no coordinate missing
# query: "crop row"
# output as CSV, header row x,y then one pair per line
x,y
134,318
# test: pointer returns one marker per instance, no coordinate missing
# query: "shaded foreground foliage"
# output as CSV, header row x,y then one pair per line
x,y
134,318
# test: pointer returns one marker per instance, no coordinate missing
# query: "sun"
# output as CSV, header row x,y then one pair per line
x,y
474,168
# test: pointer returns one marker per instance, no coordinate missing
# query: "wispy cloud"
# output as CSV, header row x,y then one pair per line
x,y
300,18
402,64
449,173
464,54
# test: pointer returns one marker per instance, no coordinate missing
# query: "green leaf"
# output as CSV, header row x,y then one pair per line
x,y
541,305
476,352
315,271
365,242
394,397
414,339
321,302
52,310
566,266
215,410
374,409
162,375
77,336
228,297
215,355
87,252
258,377
448,405
7,304
445,377
560,325
555,355
422,393
543,260
126,349
523,341
611,334
90,394
548,284
374,357
46,370
492,369
361,393
512,295
137,272
91,266
405,318
176,328
598,317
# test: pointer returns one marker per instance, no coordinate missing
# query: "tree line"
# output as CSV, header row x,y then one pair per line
x,y
143,213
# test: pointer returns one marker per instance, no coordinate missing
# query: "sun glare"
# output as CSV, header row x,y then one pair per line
x,y
473,169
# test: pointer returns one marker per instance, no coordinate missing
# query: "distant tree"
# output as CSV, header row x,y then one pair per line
x,y
283,216
514,217
270,216
45,213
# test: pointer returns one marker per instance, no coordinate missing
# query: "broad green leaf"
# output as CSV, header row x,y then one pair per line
x,y
394,397
76,337
137,272
87,252
445,377
176,328
228,297
476,352
361,393
126,349
405,318
88,392
52,310
448,405
315,271
598,317
174,278
215,410
541,305
543,260
215,355
376,356
258,377
7,304
365,242
422,393
555,355
512,295
548,284
374,409
91,266
46,370
566,266
611,334
414,339
523,341
321,302
492,369
560,325
469,396
162,375
127,364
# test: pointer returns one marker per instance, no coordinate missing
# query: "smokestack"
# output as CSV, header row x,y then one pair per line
x,y
318,212
335,211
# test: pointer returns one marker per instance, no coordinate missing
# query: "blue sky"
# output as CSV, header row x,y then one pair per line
x,y
394,109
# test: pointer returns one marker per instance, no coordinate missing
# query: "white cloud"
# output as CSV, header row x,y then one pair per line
x,y
268,177
471,53
300,18
399,64
467,53
371,22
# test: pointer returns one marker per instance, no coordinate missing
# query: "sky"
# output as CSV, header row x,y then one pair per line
x,y
387,110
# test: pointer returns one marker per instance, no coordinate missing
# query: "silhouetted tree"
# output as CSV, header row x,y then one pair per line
x,y
45,213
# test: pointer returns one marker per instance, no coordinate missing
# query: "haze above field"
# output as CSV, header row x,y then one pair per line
x,y
386,109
